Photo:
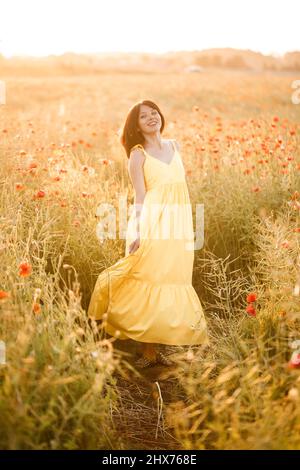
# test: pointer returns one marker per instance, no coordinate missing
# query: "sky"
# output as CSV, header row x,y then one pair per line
x,y
43,27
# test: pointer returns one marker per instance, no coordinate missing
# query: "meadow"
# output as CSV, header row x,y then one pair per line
x,y
64,383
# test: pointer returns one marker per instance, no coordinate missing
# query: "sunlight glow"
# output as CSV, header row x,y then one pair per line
x,y
37,28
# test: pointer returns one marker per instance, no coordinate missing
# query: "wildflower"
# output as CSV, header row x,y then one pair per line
x,y
36,308
251,297
32,165
294,362
3,294
37,293
282,313
19,186
190,355
293,394
251,310
87,169
25,269
296,291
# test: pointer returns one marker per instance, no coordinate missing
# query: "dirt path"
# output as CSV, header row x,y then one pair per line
x,y
144,395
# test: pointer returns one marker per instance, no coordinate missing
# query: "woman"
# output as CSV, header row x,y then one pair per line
x,y
148,294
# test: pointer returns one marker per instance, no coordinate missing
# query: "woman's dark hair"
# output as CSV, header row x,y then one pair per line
x,y
131,134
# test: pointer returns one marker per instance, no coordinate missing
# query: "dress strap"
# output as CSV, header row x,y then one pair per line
x,y
173,143
137,146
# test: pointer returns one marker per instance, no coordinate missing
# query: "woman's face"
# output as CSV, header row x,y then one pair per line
x,y
149,120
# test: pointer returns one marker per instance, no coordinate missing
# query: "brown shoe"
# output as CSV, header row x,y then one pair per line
x,y
162,359
144,362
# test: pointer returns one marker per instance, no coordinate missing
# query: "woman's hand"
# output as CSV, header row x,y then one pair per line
x,y
134,245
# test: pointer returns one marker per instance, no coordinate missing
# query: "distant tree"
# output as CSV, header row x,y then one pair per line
x,y
236,62
294,67
213,60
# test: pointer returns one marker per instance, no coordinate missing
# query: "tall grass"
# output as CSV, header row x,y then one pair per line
x,y
65,384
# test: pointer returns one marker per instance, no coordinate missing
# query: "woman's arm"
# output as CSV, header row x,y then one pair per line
x,y
136,173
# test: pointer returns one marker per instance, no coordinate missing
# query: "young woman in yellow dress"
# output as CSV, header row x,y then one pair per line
x,y
148,294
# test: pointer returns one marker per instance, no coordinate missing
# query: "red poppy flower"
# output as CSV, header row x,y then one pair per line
x,y
251,297
36,308
251,310
32,165
25,269
3,294
294,362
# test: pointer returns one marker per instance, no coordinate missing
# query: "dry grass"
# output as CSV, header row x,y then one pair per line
x,y
64,384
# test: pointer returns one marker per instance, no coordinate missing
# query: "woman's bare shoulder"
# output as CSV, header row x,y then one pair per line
x,y
136,157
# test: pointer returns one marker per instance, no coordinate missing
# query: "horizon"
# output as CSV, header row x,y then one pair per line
x,y
275,55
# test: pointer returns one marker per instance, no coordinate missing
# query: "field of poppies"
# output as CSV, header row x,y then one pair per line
x,y
64,384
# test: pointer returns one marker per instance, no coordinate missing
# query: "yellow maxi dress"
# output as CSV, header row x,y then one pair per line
x,y
148,295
